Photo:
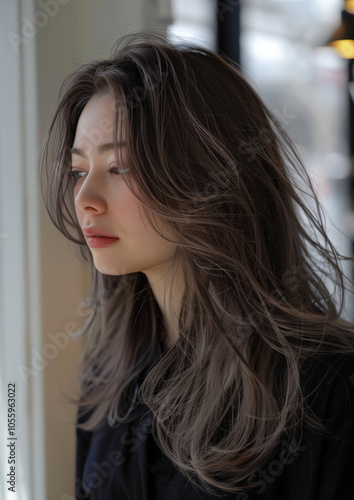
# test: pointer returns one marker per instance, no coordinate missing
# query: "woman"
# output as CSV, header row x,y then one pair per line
x,y
216,362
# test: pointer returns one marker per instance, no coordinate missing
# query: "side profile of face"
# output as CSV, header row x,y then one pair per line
x,y
103,201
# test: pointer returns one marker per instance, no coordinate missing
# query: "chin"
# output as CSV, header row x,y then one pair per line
x,y
110,270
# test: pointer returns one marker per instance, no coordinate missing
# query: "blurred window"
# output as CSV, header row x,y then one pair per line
x,y
305,85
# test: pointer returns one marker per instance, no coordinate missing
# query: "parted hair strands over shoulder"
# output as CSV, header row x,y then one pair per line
x,y
210,160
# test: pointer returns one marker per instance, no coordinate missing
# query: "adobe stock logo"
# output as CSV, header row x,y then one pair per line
x,y
274,468
100,472
30,28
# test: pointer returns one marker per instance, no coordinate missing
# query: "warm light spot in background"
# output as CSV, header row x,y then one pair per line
x,y
344,47
349,5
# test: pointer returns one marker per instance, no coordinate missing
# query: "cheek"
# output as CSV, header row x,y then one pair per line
x,y
125,204
127,211
132,216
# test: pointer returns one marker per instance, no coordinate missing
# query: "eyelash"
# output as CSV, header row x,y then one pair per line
x,y
74,174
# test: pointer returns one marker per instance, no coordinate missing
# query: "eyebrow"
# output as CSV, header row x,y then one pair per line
x,y
101,148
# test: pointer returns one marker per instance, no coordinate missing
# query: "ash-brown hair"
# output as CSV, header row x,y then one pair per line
x,y
215,165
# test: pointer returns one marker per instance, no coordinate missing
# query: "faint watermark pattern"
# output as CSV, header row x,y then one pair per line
x,y
226,179
95,478
30,27
94,137
274,468
50,351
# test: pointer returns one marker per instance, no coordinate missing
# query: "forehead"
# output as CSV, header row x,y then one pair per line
x,y
96,122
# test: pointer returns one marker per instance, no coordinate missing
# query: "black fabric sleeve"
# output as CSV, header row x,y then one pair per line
x,y
337,460
83,441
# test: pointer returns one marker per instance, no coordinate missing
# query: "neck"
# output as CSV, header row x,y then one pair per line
x,y
168,287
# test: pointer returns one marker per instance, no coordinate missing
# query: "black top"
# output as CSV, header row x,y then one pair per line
x,y
124,462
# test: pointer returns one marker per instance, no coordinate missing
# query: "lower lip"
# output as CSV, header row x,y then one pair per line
x,y
100,241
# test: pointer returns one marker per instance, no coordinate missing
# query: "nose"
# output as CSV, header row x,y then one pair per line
x,y
89,194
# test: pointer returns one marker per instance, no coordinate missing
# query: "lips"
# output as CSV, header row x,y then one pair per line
x,y
91,231
100,241
101,236
98,238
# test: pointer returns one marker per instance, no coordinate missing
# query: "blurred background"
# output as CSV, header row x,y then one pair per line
x,y
297,54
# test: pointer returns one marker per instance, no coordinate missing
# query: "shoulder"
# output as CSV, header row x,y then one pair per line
x,y
329,369
328,387
329,360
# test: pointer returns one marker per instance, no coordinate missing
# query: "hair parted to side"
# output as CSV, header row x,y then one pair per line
x,y
215,165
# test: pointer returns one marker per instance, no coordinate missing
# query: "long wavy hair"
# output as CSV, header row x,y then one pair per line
x,y
217,167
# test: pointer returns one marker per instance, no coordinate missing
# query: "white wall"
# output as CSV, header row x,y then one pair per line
x,y
20,319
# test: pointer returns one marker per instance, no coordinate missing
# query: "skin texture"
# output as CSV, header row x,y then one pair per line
x,y
103,200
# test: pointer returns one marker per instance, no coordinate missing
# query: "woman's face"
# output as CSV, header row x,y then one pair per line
x,y
103,201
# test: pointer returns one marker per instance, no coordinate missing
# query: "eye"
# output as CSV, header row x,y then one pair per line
x,y
76,174
118,170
